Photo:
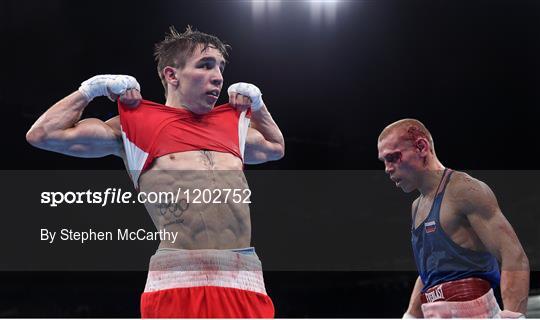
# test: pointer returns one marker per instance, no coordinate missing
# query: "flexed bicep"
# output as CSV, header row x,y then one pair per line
x,y
260,150
88,138
92,138
60,130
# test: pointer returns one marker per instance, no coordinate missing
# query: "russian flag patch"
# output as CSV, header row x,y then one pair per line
x,y
430,226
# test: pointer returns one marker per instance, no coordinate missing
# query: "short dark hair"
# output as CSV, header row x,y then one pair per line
x,y
177,47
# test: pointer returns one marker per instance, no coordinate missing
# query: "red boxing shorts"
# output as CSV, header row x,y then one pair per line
x,y
458,290
205,284
465,298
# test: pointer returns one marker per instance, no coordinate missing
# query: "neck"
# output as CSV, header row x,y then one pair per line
x,y
430,177
173,100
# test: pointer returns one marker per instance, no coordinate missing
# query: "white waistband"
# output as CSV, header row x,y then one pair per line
x,y
196,268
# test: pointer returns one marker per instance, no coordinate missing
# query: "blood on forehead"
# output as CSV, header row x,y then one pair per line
x,y
414,132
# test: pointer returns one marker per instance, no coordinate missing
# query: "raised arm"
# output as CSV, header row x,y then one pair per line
x,y
498,236
264,140
60,129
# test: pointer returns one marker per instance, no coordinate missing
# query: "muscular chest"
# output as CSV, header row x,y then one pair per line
x,y
451,221
448,214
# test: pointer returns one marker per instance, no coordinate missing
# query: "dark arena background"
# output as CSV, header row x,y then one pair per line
x,y
333,74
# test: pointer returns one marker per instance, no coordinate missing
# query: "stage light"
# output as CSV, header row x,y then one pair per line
x,y
323,10
260,7
320,10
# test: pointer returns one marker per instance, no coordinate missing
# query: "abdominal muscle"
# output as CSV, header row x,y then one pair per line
x,y
201,216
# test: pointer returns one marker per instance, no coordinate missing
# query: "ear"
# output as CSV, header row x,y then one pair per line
x,y
422,146
169,74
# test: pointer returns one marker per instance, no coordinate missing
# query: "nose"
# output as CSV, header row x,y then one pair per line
x,y
388,168
217,77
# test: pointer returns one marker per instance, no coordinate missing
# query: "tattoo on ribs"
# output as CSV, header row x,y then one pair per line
x,y
176,209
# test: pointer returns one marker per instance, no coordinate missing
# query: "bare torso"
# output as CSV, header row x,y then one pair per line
x,y
201,223
452,218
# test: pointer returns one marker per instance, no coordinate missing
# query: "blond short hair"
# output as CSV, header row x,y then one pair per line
x,y
410,129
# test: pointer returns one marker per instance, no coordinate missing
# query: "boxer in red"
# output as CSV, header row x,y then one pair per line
x,y
458,233
186,144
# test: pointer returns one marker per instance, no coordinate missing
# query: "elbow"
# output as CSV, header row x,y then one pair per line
x,y
525,262
279,152
36,137
521,258
516,261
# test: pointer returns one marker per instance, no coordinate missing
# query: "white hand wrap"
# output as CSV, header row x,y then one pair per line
x,y
407,315
105,84
507,314
249,90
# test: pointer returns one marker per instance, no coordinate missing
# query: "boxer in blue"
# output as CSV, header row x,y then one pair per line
x,y
459,234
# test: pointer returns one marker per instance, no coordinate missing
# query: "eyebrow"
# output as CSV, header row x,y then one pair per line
x,y
211,59
383,158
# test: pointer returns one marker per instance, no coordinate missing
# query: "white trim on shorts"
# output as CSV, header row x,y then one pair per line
x,y
171,269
